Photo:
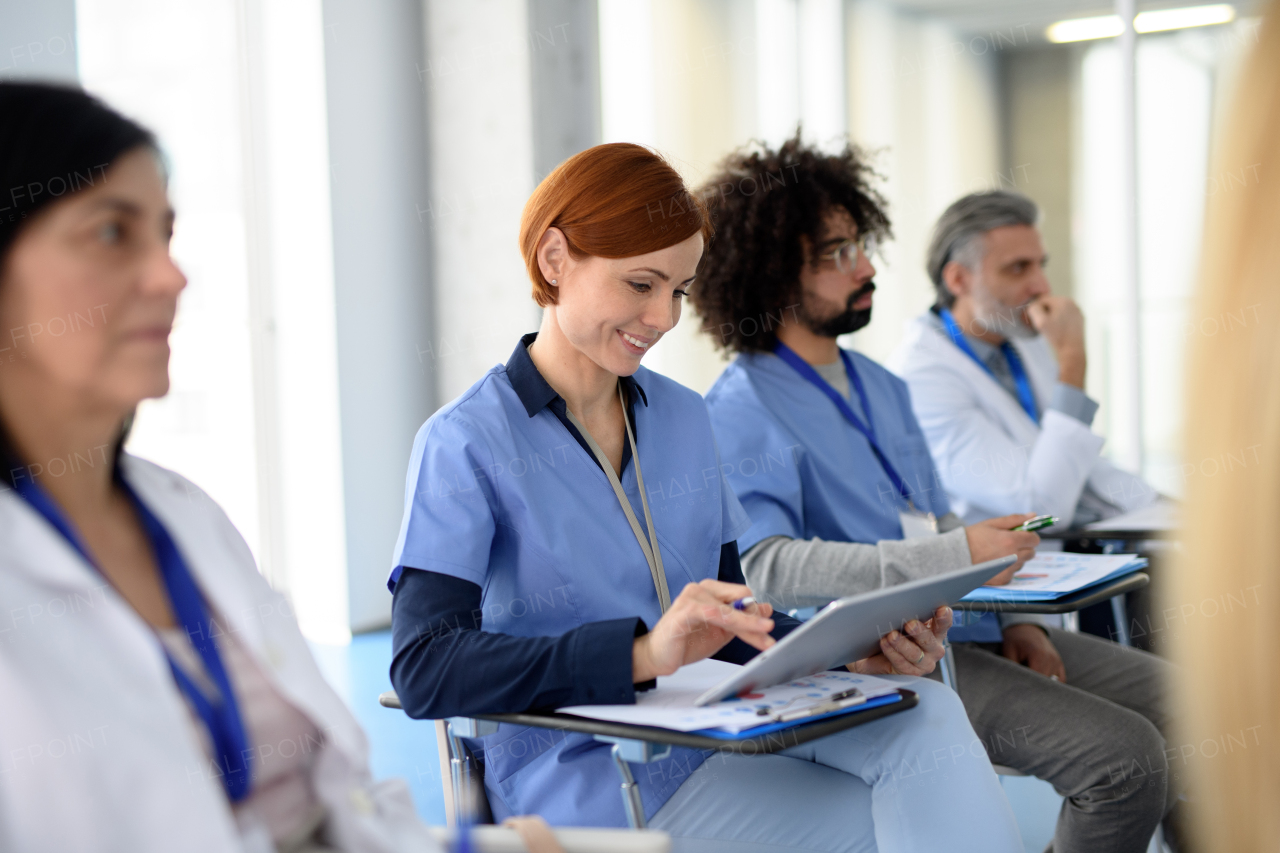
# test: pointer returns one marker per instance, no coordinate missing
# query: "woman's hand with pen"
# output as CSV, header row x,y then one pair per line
x,y
697,625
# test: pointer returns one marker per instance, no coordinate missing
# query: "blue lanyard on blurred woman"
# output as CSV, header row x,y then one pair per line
x,y
220,714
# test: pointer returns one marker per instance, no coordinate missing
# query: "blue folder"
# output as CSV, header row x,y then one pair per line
x,y
769,728
1000,593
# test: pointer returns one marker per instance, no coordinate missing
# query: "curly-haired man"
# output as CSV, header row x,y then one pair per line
x,y
822,447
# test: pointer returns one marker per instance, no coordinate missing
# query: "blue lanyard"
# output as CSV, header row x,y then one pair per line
x,y
867,429
1026,397
223,721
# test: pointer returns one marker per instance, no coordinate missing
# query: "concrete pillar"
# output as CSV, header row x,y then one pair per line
x,y
480,134
564,60
377,127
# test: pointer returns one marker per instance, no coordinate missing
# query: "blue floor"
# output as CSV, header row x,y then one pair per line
x,y
398,746
407,748
1035,805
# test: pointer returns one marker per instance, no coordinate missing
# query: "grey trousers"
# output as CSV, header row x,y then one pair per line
x,y
1099,739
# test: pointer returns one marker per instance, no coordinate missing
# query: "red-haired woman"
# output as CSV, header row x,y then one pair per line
x,y
568,537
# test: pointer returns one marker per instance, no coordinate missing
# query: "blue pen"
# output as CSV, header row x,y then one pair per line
x,y
743,603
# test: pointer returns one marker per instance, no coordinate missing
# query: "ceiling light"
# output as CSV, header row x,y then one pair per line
x,y
1109,26
1189,16
1083,29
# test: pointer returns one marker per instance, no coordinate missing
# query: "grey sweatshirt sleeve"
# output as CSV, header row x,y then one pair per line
x,y
791,573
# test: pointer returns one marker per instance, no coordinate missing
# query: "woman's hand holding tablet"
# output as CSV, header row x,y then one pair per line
x,y
700,621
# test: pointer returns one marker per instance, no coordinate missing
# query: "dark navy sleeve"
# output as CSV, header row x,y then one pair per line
x,y
444,665
736,651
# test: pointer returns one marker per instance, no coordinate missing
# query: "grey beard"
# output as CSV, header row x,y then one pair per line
x,y
1005,322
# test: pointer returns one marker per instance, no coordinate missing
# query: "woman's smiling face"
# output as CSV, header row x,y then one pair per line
x,y
613,310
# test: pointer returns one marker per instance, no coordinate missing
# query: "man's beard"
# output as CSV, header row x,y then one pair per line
x,y
991,315
847,321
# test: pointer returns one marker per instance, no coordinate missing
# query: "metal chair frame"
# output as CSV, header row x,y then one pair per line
x,y
469,804
629,745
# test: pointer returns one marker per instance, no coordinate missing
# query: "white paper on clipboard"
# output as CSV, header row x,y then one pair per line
x,y
670,705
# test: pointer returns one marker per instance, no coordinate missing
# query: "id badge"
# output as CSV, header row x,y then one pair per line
x,y
918,524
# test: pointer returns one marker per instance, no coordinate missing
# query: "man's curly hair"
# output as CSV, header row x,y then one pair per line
x,y
761,203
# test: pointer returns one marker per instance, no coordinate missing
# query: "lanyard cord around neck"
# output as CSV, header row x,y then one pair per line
x,y
867,429
221,718
1026,397
652,553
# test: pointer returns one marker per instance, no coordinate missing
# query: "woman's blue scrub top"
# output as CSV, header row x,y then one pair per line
x,y
509,500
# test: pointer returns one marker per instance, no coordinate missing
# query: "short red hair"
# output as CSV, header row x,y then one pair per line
x,y
612,201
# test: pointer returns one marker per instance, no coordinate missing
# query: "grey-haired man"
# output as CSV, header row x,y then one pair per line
x,y
996,371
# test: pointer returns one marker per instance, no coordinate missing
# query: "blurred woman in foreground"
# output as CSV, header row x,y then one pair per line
x,y
1230,690
155,693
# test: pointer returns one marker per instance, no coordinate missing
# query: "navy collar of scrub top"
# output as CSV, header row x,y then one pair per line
x,y
536,394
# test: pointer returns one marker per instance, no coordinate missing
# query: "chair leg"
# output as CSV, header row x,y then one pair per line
x,y
460,773
1120,613
625,752
469,803
630,791
947,668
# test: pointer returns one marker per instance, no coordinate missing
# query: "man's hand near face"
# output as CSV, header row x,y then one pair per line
x,y
1061,322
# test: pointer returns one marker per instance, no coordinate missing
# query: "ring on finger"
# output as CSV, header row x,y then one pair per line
x,y
920,658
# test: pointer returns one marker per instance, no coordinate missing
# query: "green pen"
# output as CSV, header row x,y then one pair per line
x,y
1038,523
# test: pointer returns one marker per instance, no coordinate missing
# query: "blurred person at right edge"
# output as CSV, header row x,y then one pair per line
x,y
1225,579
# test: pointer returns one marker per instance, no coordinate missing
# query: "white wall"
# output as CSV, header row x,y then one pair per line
x,y
235,91
289,226
377,132
698,78
1176,107
297,136
926,100
174,69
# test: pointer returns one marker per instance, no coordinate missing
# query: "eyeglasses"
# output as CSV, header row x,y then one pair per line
x,y
845,255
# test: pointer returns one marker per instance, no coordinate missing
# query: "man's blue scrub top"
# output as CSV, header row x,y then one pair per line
x,y
512,503
802,470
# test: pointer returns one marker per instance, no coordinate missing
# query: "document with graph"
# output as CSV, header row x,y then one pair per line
x,y
1050,576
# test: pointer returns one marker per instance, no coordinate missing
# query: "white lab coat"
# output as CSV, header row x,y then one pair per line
x,y
993,459
97,747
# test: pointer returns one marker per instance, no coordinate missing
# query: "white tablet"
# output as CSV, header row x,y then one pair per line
x,y
850,629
